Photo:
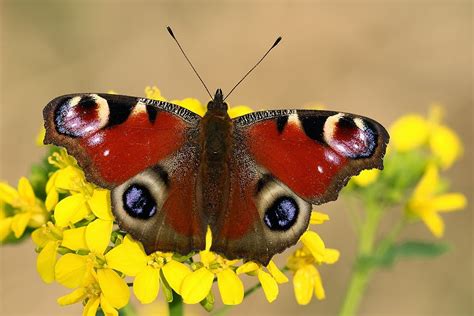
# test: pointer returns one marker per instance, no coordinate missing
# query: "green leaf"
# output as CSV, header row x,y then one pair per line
x,y
407,249
410,249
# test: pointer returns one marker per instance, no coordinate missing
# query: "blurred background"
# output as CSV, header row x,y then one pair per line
x,y
381,59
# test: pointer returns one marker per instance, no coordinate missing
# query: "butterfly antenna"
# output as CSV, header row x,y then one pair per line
x,y
185,56
248,72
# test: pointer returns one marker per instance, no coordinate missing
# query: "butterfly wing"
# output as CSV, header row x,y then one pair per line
x,y
146,152
284,161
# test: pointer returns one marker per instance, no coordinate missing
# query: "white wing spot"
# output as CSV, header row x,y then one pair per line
x,y
330,127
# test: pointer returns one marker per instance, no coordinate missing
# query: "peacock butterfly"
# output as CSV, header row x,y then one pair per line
x,y
251,179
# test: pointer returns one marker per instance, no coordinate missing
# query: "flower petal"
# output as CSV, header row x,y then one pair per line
x,y
75,238
70,179
147,284
318,218
239,110
445,145
425,188
449,202
107,308
98,235
409,132
434,222
9,195
73,297
208,238
279,276
100,204
26,191
70,210
175,272
248,267
196,286
19,223
70,270
91,307
5,227
191,104
52,199
366,177
314,243
318,286
230,287
269,285
113,287
128,257
46,261
303,284
331,256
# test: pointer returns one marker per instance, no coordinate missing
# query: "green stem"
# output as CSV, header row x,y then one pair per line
x,y
369,229
176,307
357,286
361,272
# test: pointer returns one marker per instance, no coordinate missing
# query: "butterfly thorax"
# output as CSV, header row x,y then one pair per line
x,y
216,144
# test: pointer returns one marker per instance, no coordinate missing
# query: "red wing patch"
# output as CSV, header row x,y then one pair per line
x,y
314,152
122,151
115,137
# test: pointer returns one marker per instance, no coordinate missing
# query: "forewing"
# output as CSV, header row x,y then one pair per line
x,y
313,152
114,137
146,151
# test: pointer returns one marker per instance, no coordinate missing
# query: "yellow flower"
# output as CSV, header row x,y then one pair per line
x,y
84,199
189,103
104,288
269,280
425,203
197,285
366,177
409,132
40,137
130,259
318,218
94,238
195,105
27,209
445,145
47,238
239,110
306,278
413,131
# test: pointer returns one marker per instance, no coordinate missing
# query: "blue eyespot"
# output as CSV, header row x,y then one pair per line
x,y
138,202
282,214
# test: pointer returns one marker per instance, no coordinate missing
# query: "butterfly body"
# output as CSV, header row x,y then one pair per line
x,y
251,179
214,171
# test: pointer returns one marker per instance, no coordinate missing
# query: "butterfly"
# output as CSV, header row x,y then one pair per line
x,y
252,179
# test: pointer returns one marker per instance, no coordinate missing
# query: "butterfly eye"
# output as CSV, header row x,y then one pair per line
x,y
282,214
281,210
140,198
138,202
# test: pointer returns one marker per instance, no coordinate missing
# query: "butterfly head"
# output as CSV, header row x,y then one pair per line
x,y
217,103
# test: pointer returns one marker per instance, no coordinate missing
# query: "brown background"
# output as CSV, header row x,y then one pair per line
x,y
382,59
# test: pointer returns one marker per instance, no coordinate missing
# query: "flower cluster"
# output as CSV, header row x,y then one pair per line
x,y
420,148
80,246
